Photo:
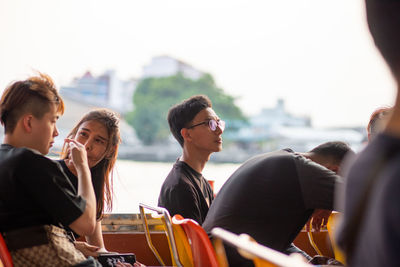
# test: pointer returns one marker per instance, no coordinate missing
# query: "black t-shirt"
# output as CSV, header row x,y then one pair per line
x,y
97,178
186,192
34,191
271,197
378,240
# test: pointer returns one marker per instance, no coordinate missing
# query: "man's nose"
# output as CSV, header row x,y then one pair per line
x,y
55,133
219,130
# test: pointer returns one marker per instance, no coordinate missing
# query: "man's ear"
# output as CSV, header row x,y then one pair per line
x,y
186,134
27,123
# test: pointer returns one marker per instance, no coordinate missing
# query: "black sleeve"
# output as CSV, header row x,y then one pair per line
x,y
317,184
50,188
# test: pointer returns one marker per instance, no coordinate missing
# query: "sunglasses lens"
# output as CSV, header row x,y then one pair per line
x,y
213,125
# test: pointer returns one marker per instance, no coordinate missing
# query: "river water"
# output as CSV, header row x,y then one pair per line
x,y
136,182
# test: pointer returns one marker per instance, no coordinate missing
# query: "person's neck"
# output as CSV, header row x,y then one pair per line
x,y
195,159
393,125
313,157
16,140
325,161
7,141
307,155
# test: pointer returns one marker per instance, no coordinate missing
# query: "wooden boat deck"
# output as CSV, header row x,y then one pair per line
x,y
124,233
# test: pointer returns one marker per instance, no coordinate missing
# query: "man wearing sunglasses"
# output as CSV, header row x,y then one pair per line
x,y
198,130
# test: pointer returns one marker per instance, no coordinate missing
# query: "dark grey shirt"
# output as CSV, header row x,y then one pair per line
x,y
97,181
271,197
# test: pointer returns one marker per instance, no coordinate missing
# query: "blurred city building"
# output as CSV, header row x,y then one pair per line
x,y
164,66
105,90
275,128
278,116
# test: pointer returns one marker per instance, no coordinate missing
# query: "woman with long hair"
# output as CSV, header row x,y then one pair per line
x,y
98,131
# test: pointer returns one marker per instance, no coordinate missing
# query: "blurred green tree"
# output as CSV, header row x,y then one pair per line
x,y
154,96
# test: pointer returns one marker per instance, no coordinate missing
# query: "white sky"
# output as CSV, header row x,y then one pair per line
x,y
316,54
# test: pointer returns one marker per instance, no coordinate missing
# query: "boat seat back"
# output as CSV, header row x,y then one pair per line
x,y
202,250
262,256
332,223
5,256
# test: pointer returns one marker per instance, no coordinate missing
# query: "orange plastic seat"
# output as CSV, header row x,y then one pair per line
x,y
262,256
5,255
332,223
183,246
202,250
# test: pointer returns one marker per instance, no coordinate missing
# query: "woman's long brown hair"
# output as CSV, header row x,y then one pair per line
x,y
111,121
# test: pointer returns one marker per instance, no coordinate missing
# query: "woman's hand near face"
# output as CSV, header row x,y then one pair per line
x,y
77,154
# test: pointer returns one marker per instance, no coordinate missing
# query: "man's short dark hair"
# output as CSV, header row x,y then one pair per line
x,y
335,150
384,24
181,115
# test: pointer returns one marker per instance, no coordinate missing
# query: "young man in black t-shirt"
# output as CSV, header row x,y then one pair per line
x,y
198,130
33,189
271,197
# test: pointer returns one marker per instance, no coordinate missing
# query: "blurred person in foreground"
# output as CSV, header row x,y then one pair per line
x,y
377,122
272,196
198,129
36,201
370,229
